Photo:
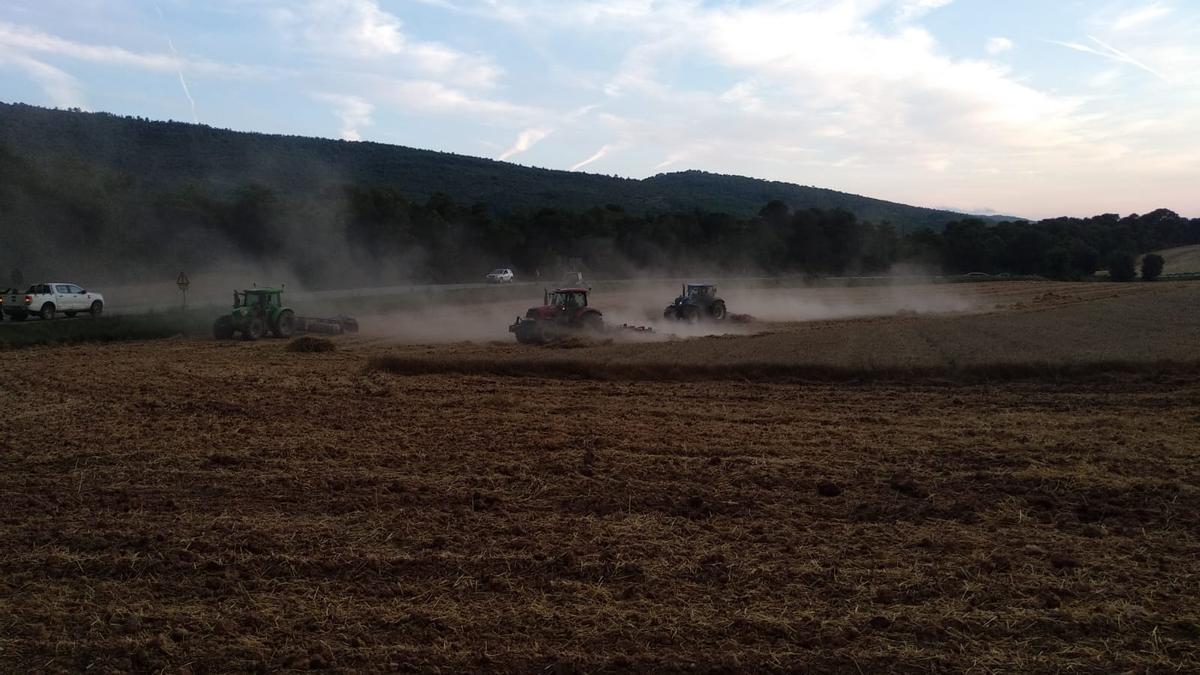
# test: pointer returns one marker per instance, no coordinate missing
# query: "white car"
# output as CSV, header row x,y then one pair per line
x,y
48,300
500,276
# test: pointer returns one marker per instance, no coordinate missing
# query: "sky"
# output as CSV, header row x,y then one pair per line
x,y
1032,108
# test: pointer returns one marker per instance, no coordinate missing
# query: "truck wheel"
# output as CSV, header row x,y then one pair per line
x,y
223,328
47,312
717,310
97,309
254,329
285,324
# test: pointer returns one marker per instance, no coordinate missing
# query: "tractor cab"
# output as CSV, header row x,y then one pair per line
x,y
258,298
566,298
695,302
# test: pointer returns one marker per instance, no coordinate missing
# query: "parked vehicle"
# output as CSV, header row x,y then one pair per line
x,y
49,300
501,276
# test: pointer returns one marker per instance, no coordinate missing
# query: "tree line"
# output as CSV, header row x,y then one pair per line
x,y
82,220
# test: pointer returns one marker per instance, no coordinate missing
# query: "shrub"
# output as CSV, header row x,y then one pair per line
x,y
1152,267
1122,266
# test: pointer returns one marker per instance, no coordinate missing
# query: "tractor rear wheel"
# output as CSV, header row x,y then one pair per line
x,y
254,329
717,310
592,323
223,328
285,324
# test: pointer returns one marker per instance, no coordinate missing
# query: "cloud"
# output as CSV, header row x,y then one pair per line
x,y
362,31
525,140
599,154
998,45
28,39
60,87
1141,16
908,10
743,96
434,97
353,111
1107,51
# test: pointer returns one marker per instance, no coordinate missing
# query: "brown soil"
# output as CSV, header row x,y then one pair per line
x,y
203,506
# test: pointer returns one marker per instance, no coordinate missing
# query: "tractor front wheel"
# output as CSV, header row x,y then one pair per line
x,y
530,333
223,328
254,329
285,324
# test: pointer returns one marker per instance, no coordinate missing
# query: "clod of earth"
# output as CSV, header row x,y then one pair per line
x,y
310,344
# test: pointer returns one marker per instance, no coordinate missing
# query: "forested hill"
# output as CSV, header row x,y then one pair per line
x,y
169,155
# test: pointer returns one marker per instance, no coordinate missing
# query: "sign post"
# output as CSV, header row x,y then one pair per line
x,y
183,282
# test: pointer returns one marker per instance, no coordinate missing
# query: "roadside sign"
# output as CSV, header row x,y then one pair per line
x,y
183,282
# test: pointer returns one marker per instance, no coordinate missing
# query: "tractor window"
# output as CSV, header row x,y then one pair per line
x,y
568,299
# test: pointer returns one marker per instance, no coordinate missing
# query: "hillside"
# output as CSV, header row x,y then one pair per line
x,y
166,155
1181,260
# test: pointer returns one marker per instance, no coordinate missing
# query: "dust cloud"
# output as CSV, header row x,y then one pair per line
x,y
642,303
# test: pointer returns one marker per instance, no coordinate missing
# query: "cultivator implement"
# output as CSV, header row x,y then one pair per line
x,y
335,326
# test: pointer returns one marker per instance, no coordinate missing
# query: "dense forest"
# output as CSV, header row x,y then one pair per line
x,y
169,155
72,215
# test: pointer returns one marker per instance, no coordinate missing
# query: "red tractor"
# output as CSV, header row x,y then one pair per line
x,y
564,311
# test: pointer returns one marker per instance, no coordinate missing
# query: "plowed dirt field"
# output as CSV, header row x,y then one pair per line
x,y
1013,485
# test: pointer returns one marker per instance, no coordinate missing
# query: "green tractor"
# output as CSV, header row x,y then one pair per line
x,y
255,312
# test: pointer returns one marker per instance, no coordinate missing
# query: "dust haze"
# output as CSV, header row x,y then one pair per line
x,y
641,303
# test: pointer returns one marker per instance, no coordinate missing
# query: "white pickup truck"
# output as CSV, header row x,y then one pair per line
x,y
47,300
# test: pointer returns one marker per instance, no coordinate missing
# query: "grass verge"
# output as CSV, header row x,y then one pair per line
x,y
149,326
